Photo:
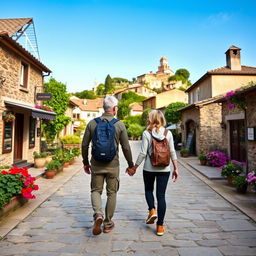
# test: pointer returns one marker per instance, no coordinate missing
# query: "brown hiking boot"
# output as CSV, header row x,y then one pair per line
x,y
98,219
107,229
151,216
159,230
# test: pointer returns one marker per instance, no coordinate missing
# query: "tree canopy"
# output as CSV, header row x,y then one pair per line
x,y
109,88
86,94
182,75
171,114
59,104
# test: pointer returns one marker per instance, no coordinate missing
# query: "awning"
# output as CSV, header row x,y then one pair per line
x,y
35,112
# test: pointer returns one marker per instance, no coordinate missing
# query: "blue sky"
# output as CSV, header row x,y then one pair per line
x,y
83,41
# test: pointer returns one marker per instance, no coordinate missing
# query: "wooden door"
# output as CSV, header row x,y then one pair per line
x,y
237,140
18,137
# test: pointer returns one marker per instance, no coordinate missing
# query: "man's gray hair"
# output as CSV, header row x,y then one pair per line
x,y
109,102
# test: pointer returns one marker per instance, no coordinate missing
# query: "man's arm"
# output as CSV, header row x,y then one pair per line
x,y
126,146
85,144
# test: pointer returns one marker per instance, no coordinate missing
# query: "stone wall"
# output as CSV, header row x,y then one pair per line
x,y
10,64
251,122
210,132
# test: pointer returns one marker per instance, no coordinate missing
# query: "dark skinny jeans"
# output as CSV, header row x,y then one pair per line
x,y
161,184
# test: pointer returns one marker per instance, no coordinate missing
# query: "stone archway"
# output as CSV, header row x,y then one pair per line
x,y
191,136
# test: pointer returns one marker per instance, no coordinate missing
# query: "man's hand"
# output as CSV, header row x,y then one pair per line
x,y
175,175
87,169
130,171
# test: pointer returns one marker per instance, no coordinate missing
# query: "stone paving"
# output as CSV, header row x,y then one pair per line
x,y
198,222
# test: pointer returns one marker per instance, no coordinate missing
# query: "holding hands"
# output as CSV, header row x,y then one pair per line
x,y
132,170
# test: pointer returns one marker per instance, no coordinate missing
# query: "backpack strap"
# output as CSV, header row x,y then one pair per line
x,y
97,120
113,121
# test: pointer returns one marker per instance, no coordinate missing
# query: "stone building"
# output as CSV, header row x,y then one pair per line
x,y
158,79
202,117
136,109
21,78
239,126
163,99
139,89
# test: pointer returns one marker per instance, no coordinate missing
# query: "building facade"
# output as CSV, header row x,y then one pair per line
x,y
203,114
21,78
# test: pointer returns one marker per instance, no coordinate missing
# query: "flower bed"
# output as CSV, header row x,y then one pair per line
x,y
217,158
16,182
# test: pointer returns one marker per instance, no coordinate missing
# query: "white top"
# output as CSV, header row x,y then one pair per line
x,y
146,150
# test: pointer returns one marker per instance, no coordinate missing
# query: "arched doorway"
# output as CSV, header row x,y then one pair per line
x,y
191,136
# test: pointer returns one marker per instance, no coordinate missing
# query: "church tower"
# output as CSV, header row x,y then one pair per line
x,y
164,68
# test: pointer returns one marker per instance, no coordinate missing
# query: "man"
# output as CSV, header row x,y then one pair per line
x,y
105,171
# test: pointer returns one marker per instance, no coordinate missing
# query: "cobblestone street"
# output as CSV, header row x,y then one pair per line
x,y
198,222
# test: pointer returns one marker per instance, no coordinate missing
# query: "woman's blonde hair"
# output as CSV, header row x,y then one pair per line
x,y
155,120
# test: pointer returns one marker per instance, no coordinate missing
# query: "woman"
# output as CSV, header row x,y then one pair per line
x,y
156,124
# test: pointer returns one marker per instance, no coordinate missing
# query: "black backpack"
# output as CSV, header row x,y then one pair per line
x,y
103,140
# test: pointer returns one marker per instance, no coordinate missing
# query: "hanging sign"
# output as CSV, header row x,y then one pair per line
x,y
43,96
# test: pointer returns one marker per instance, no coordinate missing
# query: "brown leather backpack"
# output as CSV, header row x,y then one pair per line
x,y
160,156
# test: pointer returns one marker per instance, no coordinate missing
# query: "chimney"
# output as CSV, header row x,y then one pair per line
x,y
233,58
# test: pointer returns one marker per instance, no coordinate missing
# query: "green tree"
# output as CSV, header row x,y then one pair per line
x,y
100,90
109,88
123,110
182,75
59,104
86,94
171,114
144,116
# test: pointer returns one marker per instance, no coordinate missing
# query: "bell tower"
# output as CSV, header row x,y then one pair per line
x,y
164,68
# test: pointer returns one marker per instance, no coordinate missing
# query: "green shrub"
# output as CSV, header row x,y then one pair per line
x,y
132,120
39,155
135,130
184,151
70,139
5,167
202,157
239,181
53,165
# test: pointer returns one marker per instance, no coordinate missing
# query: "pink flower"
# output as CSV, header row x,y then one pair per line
x,y
231,105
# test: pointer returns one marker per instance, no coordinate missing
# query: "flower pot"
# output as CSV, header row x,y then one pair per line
x,y
40,162
15,202
49,174
48,159
184,154
203,162
230,179
71,161
66,164
242,189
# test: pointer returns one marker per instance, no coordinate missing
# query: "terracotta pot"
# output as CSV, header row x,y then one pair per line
x,y
48,159
184,154
66,164
15,202
40,162
242,190
203,162
229,179
49,174
71,161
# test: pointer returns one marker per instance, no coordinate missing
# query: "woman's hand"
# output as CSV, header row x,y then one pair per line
x,y
175,175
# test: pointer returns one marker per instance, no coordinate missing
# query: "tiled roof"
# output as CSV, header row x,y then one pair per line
x,y
245,70
225,70
136,107
11,26
89,105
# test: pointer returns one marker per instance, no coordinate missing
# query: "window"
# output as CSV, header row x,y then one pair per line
x,y
24,75
7,137
197,94
88,115
32,133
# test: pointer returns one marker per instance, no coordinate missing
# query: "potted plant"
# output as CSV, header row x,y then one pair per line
x,y
9,117
203,159
184,152
39,159
48,157
70,141
231,169
241,184
251,179
51,169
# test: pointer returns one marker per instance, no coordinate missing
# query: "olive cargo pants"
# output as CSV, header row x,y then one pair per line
x,y
98,177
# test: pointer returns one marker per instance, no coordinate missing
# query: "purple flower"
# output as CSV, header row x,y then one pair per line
x,y
231,105
229,94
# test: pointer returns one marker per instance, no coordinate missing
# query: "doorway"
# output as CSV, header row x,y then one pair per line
x,y
237,140
18,137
